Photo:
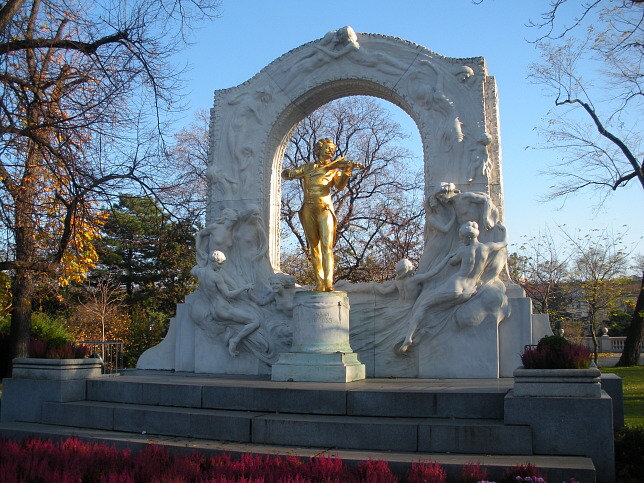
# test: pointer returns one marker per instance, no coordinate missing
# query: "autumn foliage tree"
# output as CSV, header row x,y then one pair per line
x,y
84,87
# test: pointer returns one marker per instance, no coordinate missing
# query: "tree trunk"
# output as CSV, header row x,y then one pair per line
x,y
633,344
595,342
22,287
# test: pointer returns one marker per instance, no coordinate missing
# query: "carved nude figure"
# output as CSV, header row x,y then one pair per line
x,y
283,286
217,287
473,258
218,235
335,44
404,283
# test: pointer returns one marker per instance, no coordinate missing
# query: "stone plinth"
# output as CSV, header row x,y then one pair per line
x,y
321,351
557,382
55,369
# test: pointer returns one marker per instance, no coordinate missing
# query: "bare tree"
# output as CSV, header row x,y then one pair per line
x,y
599,265
188,157
103,310
596,75
592,68
380,212
543,274
84,89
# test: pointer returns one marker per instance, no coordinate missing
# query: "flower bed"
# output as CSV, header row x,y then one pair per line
x,y
73,461
557,368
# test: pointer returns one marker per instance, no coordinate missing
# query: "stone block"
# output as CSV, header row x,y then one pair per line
x,y
474,437
540,327
165,421
112,390
82,414
334,431
183,395
514,333
478,405
55,369
313,367
22,399
557,382
221,425
568,426
271,399
612,384
423,404
461,350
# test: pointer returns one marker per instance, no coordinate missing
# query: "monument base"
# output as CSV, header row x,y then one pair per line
x,y
311,367
320,350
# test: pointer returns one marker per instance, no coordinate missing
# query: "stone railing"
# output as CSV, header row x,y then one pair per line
x,y
607,344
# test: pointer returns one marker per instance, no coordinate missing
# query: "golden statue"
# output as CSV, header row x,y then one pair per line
x,y
317,214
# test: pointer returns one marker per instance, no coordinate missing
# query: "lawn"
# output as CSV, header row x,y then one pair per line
x,y
633,384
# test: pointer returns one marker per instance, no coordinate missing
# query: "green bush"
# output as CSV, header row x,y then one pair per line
x,y
43,326
553,342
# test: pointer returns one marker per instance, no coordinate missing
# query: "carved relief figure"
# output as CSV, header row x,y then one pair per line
x,y
472,258
218,289
217,235
405,284
478,160
240,145
447,209
251,246
224,185
317,214
283,286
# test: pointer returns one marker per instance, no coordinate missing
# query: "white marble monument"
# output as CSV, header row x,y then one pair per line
x,y
456,315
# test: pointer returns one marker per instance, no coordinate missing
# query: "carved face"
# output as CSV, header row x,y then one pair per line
x,y
324,150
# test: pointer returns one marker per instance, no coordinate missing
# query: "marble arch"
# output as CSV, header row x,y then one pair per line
x,y
240,319
452,101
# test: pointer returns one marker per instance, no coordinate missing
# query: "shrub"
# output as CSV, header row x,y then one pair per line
x,y
48,349
43,327
473,472
555,352
553,342
375,472
426,473
527,472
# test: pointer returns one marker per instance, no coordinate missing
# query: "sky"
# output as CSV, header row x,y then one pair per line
x,y
252,33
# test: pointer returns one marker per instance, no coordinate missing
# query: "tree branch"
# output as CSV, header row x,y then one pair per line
x,y
637,168
87,48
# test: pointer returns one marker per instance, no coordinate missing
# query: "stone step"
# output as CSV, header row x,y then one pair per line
x,y
346,432
364,398
555,468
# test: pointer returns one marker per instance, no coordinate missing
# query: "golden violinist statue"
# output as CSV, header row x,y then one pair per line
x,y
317,214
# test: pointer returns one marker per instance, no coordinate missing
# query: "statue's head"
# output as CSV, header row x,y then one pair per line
x,y
346,35
324,148
446,191
217,257
228,214
282,280
403,267
253,211
468,232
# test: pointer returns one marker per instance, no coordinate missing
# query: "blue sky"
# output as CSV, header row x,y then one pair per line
x,y
252,33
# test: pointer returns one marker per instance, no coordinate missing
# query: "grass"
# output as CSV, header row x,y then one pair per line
x,y
633,385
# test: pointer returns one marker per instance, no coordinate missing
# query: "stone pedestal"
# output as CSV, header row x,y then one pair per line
x,y
320,350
